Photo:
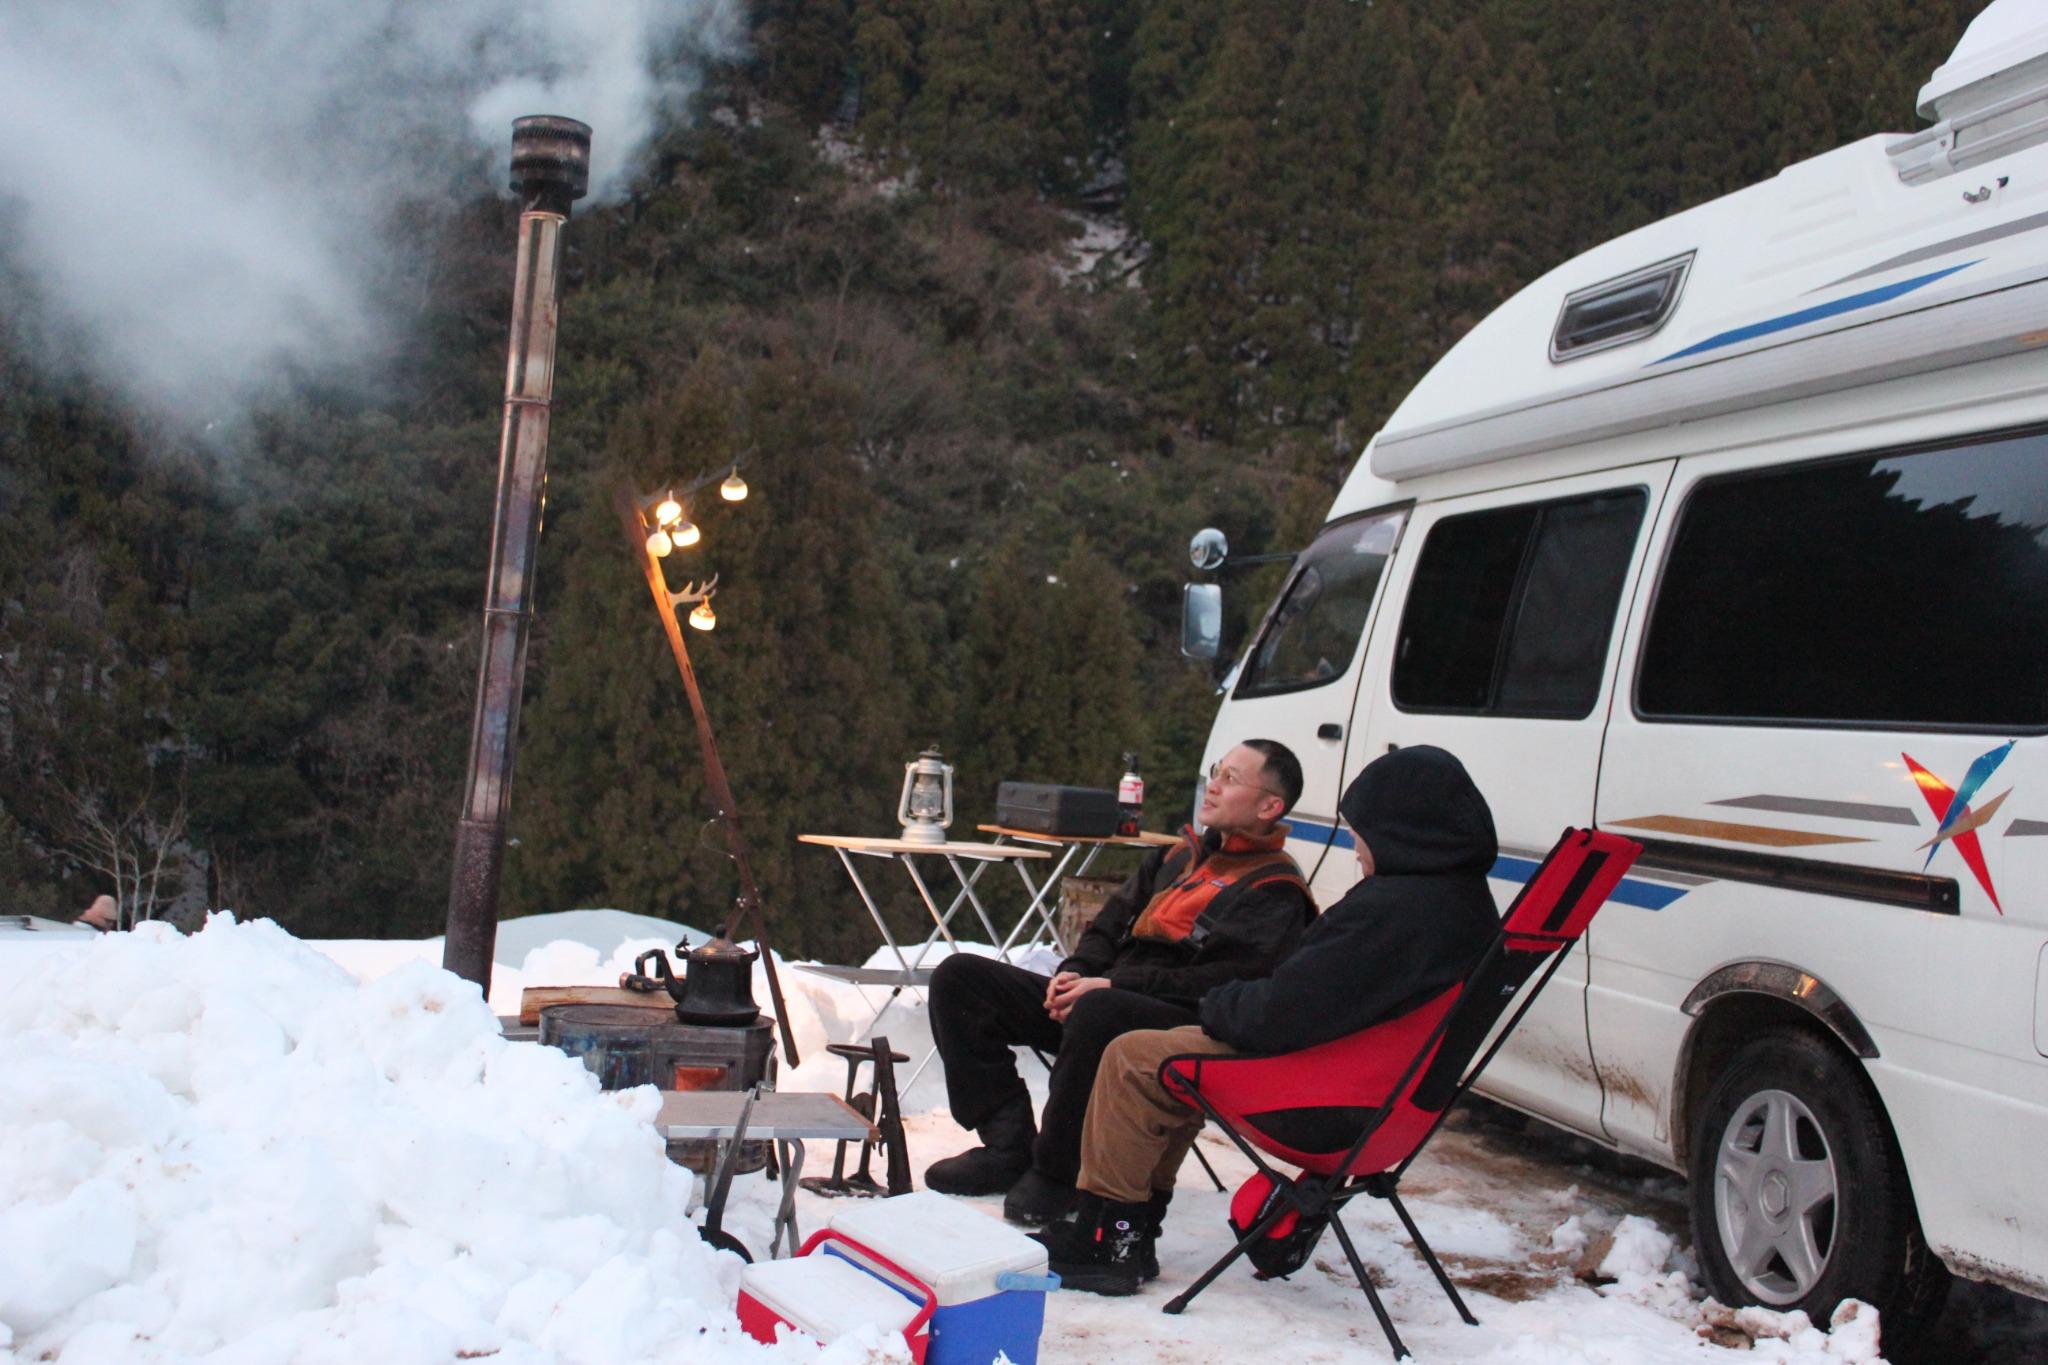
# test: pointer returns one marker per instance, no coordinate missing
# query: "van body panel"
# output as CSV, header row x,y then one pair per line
x,y
1538,774
1947,998
2041,1004
1970,1149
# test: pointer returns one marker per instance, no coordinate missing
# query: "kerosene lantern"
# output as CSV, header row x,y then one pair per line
x,y
926,807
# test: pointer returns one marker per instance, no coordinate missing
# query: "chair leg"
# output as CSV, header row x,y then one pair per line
x,y
1207,1169
1372,1295
1415,1236
1187,1296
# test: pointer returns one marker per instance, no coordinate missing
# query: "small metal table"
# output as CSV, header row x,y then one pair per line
x,y
785,1119
912,973
1069,845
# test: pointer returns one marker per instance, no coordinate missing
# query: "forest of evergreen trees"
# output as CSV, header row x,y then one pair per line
x,y
246,662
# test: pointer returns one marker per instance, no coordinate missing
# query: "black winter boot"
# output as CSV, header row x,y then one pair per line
x,y
1155,1221
996,1165
1037,1199
1104,1250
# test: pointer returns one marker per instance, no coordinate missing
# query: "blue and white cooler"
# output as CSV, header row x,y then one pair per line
x,y
987,1279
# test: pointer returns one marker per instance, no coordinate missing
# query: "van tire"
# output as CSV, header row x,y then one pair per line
x,y
1795,1173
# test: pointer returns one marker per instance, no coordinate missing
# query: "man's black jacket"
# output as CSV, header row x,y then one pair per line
x,y
1251,921
1418,924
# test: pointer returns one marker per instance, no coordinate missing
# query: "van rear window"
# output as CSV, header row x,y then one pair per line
x,y
1512,608
1905,590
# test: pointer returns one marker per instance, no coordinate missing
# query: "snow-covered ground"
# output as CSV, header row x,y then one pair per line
x,y
235,1148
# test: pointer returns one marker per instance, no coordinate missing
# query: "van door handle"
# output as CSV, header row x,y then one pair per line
x,y
1329,730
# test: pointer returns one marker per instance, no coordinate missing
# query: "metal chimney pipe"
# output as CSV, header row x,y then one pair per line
x,y
550,171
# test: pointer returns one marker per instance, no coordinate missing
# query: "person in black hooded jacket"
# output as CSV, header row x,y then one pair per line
x,y
1418,920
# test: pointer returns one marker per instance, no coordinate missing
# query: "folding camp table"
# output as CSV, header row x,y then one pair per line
x,y
1070,846
910,973
784,1119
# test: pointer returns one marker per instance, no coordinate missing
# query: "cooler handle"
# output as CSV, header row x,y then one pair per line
x,y
1018,1280
910,1281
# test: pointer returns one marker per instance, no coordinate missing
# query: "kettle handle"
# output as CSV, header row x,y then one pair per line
x,y
639,980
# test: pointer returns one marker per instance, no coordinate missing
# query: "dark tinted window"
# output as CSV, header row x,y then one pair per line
x,y
1314,632
1890,590
1512,609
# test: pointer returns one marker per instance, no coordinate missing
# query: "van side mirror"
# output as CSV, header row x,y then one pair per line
x,y
1201,620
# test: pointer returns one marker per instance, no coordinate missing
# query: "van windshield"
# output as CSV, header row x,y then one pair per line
x,y
1313,634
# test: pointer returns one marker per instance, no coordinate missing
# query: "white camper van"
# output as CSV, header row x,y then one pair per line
x,y
1732,535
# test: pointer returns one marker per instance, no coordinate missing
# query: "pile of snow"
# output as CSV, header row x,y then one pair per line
x,y
225,1148
604,932
566,948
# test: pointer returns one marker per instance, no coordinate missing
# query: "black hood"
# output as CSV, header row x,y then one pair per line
x,y
1418,812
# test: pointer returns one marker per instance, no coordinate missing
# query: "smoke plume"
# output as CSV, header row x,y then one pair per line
x,y
197,191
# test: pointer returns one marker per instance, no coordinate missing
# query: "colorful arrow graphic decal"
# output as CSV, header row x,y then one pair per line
x,y
1958,823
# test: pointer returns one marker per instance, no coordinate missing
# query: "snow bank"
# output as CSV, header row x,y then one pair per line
x,y
224,1148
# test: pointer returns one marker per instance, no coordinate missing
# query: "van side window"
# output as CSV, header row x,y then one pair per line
x,y
1891,590
1511,609
1313,632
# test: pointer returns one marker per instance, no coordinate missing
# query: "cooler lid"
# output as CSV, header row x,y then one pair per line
x,y
956,1249
828,1296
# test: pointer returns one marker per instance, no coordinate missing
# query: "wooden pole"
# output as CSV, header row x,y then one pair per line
x,y
724,808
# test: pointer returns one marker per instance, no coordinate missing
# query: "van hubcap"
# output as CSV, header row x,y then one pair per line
x,y
1775,1196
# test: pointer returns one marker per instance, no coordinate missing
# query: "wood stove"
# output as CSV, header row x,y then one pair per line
x,y
627,1046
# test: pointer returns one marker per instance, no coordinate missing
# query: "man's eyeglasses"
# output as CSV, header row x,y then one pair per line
x,y
1230,777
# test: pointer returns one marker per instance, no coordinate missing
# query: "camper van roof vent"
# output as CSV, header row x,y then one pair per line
x,y
1990,97
1617,311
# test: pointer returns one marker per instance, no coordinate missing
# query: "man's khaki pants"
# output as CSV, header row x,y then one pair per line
x,y
1136,1135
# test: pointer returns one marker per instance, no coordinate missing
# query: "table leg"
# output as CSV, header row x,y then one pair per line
x,y
786,1234
875,913
931,905
920,1068
960,898
967,888
1037,896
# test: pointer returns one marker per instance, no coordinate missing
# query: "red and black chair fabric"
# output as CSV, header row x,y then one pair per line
x,y
1352,1114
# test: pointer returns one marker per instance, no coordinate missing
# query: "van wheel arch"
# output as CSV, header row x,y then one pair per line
x,y
1731,1005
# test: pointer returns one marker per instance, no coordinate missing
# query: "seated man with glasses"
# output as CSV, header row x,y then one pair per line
x,y
1223,906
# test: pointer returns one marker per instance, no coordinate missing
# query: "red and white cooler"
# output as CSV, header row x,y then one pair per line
x,y
832,1287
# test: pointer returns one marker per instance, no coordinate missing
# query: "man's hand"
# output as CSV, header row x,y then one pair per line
x,y
1060,981
1065,989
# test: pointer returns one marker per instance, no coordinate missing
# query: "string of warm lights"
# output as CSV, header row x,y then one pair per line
x,y
669,528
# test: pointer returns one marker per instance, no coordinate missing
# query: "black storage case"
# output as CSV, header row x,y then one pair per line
x,y
1045,808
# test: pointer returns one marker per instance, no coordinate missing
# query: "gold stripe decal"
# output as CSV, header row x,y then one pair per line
x,y
1728,832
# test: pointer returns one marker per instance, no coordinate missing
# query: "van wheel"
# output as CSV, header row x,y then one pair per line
x,y
1799,1198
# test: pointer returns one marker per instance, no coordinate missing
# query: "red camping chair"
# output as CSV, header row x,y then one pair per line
x,y
1353,1113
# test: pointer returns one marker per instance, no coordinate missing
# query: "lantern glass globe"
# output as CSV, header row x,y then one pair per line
x,y
703,618
658,544
734,489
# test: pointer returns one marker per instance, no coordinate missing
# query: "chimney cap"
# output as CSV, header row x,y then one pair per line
x,y
550,160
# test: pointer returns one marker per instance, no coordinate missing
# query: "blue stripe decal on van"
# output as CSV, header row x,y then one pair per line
x,y
1868,298
1630,891
1644,895
1314,831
